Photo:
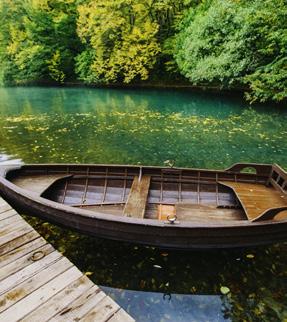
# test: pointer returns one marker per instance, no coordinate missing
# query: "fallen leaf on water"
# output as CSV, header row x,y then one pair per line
x,y
157,266
224,290
250,256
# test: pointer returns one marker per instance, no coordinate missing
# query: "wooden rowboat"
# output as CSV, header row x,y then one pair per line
x,y
165,207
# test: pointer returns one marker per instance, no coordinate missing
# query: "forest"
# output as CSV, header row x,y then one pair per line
x,y
226,44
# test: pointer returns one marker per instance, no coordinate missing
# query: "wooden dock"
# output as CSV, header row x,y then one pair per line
x,y
37,283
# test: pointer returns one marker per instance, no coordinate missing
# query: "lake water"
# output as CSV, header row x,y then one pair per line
x,y
84,125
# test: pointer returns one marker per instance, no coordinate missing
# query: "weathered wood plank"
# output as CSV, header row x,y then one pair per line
x,y
20,291
5,207
12,234
8,227
6,214
45,287
136,203
40,296
37,183
104,310
18,252
23,268
3,202
60,301
257,199
81,306
165,211
18,241
10,221
121,316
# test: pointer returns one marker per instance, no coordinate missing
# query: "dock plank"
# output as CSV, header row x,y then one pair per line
x,y
39,284
40,295
10,220
12,234
18,274
121,316
20,291
3,202
60,301
105,309
76,310
18,252
7,214
18,241
5,207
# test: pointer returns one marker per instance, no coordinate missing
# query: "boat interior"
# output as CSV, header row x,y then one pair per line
x,y
167,194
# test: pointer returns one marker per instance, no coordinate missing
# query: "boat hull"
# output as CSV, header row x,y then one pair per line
x,y
165,235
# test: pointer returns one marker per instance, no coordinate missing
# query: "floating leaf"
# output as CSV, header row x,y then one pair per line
x,y
250,256
224,290
157,266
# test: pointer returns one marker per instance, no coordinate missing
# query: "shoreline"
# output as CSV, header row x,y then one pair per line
x,y
239,92
215,89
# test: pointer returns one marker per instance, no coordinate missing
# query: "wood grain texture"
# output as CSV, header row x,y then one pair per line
x,y
257,199
81,306
120,316
18,252
38,284
34,282
60,302
37,183
136,203
18,241
165,211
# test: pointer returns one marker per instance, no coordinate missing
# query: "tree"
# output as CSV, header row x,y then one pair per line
x,y
40,40
120,40
236,43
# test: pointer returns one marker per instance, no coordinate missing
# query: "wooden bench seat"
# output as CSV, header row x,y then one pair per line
x,y
259,201
137,199
38,183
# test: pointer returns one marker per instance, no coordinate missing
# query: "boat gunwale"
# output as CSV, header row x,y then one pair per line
x,y
78,212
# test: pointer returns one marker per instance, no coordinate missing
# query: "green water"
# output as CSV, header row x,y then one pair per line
x,y
84,125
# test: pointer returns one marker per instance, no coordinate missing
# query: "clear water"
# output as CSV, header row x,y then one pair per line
x,y
83,125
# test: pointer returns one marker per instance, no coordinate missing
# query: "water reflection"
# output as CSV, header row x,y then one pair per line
x,y
35,100
151,306
147,137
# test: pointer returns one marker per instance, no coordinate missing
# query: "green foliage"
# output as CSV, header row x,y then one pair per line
x,y
39,44
54,66
233,43
222,43
124,38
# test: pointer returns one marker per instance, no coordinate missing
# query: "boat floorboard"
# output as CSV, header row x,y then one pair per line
x,y
199,213
136,203
37,283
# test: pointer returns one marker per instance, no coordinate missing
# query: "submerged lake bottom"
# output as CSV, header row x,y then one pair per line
x,y
156,127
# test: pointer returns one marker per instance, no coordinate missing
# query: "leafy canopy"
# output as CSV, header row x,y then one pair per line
x,y
38,41
236,43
